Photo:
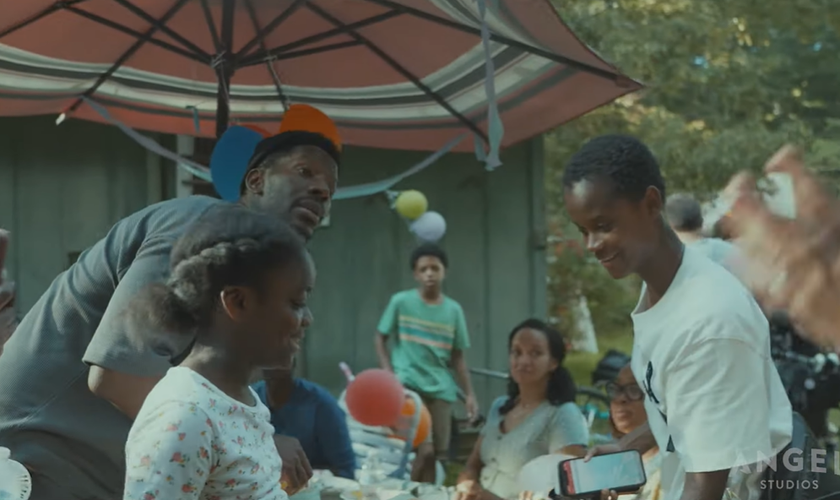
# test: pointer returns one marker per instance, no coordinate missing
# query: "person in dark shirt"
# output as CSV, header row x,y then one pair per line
x,y
306,411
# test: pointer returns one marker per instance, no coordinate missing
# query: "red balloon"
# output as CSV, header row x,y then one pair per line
x,y
375,398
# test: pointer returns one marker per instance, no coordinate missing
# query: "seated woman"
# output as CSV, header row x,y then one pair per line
x,y
627,413
537,417
309,413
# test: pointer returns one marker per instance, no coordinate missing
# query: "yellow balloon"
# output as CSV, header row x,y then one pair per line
x,y
412,204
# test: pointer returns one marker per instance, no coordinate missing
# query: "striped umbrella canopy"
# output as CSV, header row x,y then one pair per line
x,y
396,74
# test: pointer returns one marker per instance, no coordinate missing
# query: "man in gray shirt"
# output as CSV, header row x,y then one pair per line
x,y
686,219
70,380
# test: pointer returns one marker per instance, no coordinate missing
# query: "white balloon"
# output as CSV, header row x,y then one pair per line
x,y
430,227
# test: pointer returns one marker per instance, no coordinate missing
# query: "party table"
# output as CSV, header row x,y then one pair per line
x,y
370,486
537,475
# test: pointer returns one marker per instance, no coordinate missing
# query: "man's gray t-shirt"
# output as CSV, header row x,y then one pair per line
x,y
72,441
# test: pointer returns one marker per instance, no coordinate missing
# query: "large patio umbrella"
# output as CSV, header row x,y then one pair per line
x,y
397,74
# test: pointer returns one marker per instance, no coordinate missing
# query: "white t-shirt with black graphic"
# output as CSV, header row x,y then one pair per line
x,y
714,397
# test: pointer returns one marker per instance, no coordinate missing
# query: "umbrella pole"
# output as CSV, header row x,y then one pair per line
x,y
224,68
222,105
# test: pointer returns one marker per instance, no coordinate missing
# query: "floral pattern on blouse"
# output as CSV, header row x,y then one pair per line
x,y
191,441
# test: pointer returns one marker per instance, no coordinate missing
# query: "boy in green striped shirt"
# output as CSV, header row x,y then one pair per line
x,y
429,334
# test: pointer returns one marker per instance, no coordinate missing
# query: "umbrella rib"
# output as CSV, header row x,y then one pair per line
x,y
609,75
258,57
261,37
55,7
292,54
211,25
136,34
154,22
269,28
224,67
128,53
399,69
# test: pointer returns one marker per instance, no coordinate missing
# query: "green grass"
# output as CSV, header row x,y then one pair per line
x,y
834,417
452,471
582,364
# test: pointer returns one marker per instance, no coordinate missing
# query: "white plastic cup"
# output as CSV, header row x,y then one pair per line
x,y
15,480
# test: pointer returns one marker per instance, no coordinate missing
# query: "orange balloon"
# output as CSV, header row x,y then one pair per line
x,y
423,427
309,119
375,397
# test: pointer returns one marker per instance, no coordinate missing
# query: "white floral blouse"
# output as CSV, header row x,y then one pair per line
x,y
191,441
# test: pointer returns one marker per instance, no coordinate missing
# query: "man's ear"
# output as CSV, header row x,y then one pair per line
x,y
653,201
255,181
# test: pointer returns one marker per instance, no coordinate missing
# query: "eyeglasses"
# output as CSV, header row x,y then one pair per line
x,y
631,391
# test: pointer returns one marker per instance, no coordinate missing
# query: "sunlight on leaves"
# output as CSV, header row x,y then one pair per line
x,y
727,83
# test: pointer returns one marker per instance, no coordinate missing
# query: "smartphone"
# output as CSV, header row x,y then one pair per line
x,y
622,472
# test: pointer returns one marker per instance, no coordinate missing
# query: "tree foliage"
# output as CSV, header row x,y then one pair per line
x,y
727,82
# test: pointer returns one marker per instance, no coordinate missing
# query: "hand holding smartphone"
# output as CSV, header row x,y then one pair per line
x,y
622,472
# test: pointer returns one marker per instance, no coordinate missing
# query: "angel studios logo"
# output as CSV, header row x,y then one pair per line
x,y
800,466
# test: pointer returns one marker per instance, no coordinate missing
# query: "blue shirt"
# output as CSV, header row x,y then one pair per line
x,y
313,417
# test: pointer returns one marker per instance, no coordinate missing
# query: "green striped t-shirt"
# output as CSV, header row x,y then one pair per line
x,y
425,336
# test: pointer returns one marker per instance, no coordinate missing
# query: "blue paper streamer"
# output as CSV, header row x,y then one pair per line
x,y
196,119
203,172
190,166
495,128
480,154
370,188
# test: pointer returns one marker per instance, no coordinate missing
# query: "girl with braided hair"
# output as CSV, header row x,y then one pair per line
x,y
239,285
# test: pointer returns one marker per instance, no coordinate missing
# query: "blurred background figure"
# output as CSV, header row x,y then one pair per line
x,y
686,219
427,333
794,262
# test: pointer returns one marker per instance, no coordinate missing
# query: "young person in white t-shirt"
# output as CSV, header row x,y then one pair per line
x,y
701,352
239,286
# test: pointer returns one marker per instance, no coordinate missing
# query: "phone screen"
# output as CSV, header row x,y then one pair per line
x,y
616,471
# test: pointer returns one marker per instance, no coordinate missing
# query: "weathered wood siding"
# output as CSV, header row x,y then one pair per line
x,y
497,265
61,188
